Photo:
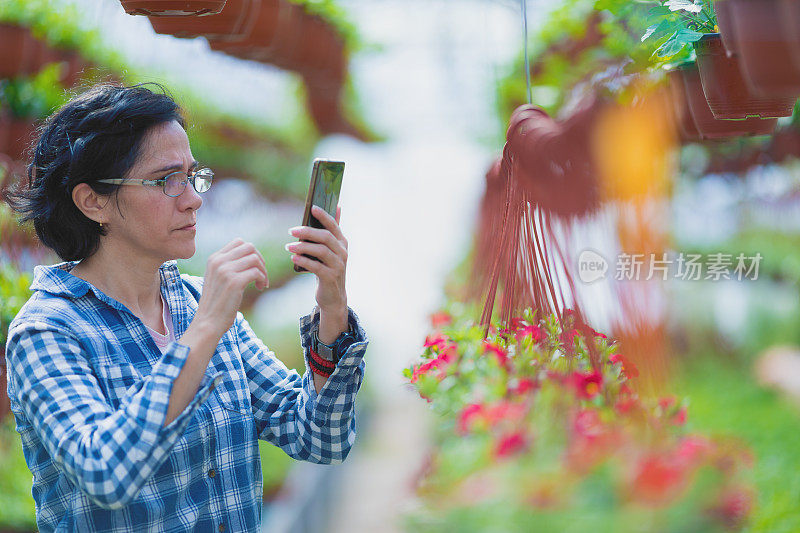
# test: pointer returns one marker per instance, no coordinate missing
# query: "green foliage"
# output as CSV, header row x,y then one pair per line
x,y
677,24
533,436
34,97
16,481
13,294
57,25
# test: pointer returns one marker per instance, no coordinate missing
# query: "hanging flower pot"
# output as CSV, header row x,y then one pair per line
x,y
722,10
790,14
763,47
727,93
16,136
254,44
178,8
18,48
234,22
708,126
685,125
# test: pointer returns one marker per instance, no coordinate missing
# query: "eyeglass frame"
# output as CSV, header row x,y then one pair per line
x,y
162,182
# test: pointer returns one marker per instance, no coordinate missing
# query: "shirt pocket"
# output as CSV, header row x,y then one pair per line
x,y
233,392
117,377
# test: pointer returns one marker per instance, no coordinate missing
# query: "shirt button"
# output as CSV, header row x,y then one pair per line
x,y
212,473
222,527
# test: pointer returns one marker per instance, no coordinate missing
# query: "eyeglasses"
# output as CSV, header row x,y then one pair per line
x,y
173,183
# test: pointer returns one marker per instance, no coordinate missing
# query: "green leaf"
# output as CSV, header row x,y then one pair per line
x,y
658,29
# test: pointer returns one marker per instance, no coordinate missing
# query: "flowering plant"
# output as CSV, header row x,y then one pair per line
x,y
532,434
682,21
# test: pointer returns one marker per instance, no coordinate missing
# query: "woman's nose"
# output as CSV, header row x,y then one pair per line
x,y
190,198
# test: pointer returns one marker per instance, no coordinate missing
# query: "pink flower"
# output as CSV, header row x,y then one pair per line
x,y
440,319
587,385
679,418
587,425
523,385
467,417
534,332
499,352
629,370
504,410
657,479
511,444
438,341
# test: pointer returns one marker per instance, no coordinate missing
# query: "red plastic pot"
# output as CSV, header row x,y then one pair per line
x,y
685,125
235,21
256,43
790,14
16,136
725,23
709,126
727,93
18,50
178,8
764,48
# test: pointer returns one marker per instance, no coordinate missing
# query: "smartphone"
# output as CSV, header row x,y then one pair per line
x,y
326,182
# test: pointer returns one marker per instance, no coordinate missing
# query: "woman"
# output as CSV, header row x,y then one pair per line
x,y
139,392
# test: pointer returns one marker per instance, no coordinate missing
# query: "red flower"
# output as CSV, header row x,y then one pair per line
x,y
588,384
587,425
467,417
666,402
438,341
523,386
657,479
505,411
679,418
511,444
499,352
440,319
629,370
597,333
733,507
693,449
532,331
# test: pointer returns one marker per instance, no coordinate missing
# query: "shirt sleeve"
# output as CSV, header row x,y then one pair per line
x,y
319,428
110,454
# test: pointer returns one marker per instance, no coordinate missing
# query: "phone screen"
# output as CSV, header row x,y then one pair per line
x,y
326,183
328,180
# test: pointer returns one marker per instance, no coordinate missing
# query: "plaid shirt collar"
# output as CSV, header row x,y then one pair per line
x,y
56,279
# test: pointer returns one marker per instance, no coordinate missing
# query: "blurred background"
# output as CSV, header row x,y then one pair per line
x,y
416,98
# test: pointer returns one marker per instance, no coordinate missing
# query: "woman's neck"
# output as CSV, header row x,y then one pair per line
x,y
131,280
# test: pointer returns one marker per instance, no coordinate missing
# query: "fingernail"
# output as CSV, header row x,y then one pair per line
x,y
289,246
292,230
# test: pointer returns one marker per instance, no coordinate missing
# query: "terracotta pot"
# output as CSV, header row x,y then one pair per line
x,y
74,66
16,137
235,21
179,8
790,13
764,47
253,45
684,122
18,48
727,93
709,126
722,9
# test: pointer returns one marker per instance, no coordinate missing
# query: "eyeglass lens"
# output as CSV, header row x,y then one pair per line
x,y
176,182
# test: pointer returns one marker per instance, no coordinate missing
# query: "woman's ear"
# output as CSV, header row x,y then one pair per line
x,y
89,202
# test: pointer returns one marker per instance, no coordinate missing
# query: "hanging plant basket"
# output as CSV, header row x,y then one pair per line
x,y
722,10
707,125
728,95
684,122
254,45
16,135
176,8
234,22
18,50
764,47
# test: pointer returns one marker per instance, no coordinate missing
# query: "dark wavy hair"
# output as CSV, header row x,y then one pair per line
x,y
97,134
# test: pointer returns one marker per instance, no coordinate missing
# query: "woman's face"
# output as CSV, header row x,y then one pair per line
x,y
152,221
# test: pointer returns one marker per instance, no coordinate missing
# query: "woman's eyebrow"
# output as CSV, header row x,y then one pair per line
x,y
174,167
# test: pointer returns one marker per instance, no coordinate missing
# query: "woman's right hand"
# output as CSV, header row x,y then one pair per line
x,y
228,272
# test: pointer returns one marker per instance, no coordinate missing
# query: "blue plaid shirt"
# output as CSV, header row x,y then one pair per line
x,y
89,390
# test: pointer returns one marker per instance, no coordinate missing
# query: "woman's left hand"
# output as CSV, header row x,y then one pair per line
x,y
330,247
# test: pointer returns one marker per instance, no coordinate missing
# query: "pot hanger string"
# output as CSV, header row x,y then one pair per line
x,y
525,47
